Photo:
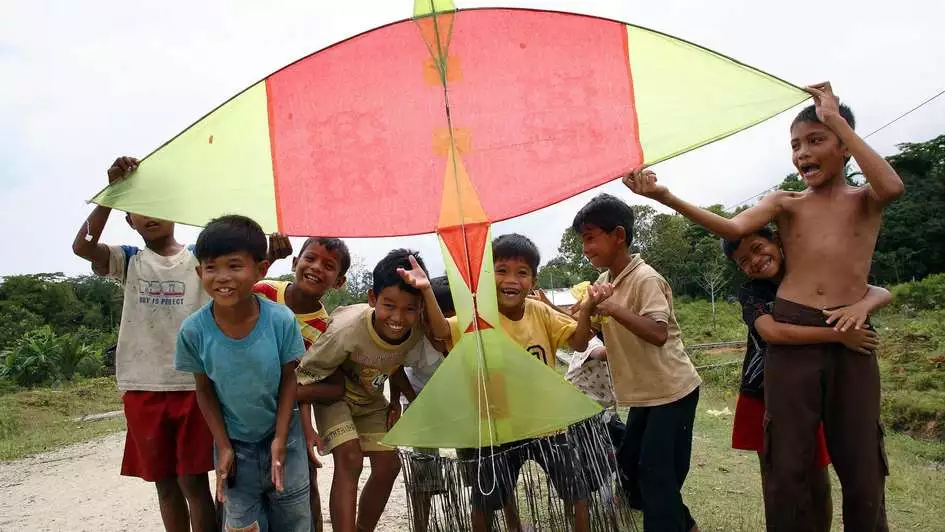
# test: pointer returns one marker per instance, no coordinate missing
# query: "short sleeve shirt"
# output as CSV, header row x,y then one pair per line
x,y
312,324
757,298
159,293
541,331
246,372
645,374
366,360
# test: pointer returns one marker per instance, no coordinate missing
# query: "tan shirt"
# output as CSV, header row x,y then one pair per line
x,y
365,359
645,374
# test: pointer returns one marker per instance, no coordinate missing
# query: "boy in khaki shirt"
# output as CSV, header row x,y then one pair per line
x,y
651,372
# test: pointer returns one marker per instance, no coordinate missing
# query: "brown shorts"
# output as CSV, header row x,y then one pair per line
x,y
341,422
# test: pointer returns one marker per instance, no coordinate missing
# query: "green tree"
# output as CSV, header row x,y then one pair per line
x,y
569,266
15,321
70,352
668,250
910,243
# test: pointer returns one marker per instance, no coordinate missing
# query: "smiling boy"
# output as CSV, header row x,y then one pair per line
x,y
319,267
242,350
368,344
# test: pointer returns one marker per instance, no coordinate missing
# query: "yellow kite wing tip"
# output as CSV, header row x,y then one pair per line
x,y
423,8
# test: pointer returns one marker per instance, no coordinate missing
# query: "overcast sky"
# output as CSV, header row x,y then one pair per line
x,y
84,82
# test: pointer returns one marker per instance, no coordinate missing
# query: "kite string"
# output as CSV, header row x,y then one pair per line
x,y
482,389
868,135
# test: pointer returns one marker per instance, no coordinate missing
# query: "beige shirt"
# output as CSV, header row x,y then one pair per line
x,y
365,359
159,292
645,374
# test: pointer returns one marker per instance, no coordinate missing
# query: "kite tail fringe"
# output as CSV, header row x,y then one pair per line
x,y
539,483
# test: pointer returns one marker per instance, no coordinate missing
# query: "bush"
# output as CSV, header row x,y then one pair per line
x,y
92,366
33,358
927,294
41,357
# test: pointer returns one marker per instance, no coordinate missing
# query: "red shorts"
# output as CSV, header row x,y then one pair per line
x,y
748,431
167,436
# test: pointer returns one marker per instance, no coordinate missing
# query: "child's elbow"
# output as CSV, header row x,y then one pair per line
x,y
577,345
895,191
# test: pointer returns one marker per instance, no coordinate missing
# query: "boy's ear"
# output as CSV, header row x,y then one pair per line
x,y
776,238
262,268
295,261
130,222
199,269
621,233
371,297
340,282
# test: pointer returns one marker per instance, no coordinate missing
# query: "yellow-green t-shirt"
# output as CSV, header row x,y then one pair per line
x,y
541,331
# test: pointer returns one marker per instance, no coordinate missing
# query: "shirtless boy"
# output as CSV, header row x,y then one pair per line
x,y
828,235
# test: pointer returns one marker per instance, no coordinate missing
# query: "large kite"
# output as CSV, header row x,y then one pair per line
x,y
446,122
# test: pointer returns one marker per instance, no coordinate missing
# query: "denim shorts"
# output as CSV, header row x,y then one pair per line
x,y
251,497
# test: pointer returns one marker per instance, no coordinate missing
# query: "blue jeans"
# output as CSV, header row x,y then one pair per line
x,y
251,497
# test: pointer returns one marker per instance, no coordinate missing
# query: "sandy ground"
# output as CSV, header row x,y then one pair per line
x,y
79,488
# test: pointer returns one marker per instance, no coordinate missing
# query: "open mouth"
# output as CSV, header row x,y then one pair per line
x,y
808,170
312,278
510,292
224,291
395,330
763,267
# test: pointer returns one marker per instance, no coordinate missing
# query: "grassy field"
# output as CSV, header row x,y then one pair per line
x,y
723,489
33,421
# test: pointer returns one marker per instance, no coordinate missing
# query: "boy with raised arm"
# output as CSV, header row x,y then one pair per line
x,y
168,441
828,234
368,344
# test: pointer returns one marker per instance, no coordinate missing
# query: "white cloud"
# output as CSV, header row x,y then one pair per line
x,y
86,81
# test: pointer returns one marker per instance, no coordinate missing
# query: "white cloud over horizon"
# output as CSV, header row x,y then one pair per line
x,y
88,81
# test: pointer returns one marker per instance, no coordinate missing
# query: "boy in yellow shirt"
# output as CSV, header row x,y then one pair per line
x,y
541,331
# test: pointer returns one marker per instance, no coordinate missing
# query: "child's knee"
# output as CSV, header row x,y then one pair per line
x,y
194,487
349,458
167,489
385,464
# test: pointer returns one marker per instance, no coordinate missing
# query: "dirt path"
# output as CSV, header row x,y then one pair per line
x,y
79,488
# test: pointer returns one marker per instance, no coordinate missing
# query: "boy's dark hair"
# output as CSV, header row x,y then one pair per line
x,y
441,291
334,245
729,246
605,212
516,246
385,273
809,114
231,233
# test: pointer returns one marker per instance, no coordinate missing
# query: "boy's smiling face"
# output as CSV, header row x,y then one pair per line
x,y
317,270
817,153
229,279
514,280
396,311
758,258
600,247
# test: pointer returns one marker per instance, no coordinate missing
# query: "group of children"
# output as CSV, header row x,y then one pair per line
x,y
266,358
